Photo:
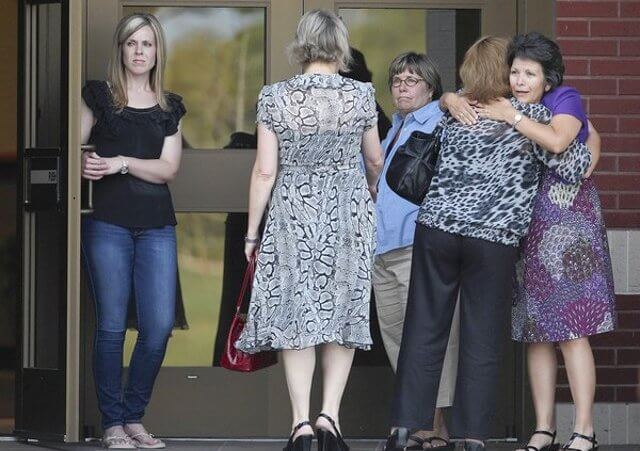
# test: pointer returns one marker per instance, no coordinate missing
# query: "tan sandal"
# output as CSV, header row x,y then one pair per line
x,y
143,444
118,442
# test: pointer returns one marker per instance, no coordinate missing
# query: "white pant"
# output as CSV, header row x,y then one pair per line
x,y
391,274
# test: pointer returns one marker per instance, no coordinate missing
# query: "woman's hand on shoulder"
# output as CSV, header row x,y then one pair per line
x,y
94,167
459,107
498,110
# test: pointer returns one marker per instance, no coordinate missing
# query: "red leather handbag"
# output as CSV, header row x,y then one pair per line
x,y
232,358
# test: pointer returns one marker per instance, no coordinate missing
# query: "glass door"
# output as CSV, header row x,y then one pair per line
x,y
47,382
220,54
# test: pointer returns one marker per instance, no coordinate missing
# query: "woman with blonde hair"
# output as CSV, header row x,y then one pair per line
x,y
313,275
469,226
129,242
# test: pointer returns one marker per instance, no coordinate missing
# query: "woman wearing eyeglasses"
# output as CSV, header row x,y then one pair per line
x,y
415,87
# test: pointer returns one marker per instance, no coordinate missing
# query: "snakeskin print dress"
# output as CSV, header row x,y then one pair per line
x,y
313,274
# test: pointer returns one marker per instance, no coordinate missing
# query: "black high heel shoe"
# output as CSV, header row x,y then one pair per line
x,y
575,435
302,442
397,441
550,447
328,441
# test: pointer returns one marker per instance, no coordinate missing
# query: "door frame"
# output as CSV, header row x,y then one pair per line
x,y
66,376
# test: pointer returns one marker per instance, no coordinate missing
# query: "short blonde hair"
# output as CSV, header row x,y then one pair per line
x,y
321,36
484,71
117,76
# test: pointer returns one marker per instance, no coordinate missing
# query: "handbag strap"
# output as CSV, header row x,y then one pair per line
x,y
246,281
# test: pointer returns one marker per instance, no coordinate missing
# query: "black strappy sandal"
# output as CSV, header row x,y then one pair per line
x,y
550,447
575,435
330,441
397,441
302,442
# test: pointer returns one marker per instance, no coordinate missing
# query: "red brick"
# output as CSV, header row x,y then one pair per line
x,y
607,163
561,376
622,220
606,376
628,356
630,201
630,87
628,302
630,164
629,320
576,66
617,182
615,376
588,47
604,124
563,394
630,9
630,28
628,394
629,48
586,9
627,125
604,356
609,201
615,67
621,143
572,28
593,85
603,394
616,106
618,339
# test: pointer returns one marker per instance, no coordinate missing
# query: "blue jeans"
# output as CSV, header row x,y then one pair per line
x,y
119,260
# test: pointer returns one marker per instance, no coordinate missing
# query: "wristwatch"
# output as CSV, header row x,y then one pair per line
x,y
516,119
124,168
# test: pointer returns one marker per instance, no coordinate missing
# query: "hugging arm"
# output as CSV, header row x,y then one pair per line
x,y
570,165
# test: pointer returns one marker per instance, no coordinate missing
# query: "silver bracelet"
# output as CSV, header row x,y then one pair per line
x,y
251,240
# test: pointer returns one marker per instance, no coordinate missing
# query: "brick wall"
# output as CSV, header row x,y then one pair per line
x,y
617,357
600,41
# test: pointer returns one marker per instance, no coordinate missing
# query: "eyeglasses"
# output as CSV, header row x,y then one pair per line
x,y
409,82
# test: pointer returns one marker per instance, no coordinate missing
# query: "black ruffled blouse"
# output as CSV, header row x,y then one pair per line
x,y
126,200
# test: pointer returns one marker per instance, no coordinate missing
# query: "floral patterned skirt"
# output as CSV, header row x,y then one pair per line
x,y
564,286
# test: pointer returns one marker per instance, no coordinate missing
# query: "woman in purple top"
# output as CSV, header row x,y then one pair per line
x,y
564,291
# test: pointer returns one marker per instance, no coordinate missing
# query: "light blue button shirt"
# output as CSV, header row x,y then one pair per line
x,y
397,217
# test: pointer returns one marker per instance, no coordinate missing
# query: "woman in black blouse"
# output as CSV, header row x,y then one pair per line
x,y
129,243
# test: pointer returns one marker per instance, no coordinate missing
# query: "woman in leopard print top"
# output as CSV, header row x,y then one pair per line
x,y
488,174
